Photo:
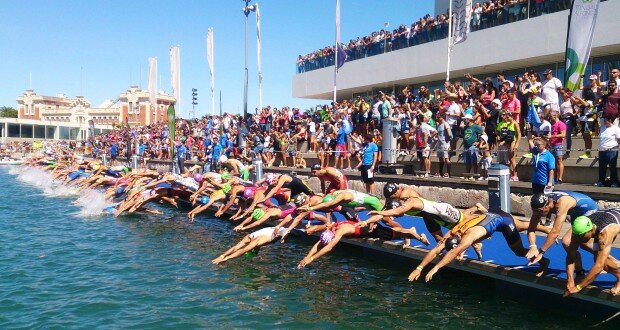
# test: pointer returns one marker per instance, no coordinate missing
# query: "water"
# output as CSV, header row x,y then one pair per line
x,y
66,266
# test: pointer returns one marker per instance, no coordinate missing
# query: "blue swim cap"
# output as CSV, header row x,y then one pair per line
x,y
204,199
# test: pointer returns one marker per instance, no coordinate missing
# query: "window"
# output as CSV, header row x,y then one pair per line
x,y
13,130
26,131
50,132
39,132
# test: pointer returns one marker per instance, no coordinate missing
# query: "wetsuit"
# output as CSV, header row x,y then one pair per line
x,y
188,183
267,231
502,222
443,214
585,205
362,199
297,187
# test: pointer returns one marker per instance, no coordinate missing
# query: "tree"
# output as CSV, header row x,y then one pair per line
x,y
8,112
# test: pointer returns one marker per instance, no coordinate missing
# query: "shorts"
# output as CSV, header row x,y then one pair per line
x,y
258,149
557,151
503,223
367,176
443,150
587,126
503,154
292,153
456,130
486,162
341,150
425,153
470,156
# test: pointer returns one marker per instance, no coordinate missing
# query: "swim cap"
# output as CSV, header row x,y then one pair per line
x,y
257,213
315,167
328,198
582,225
252,253
198,177
270,178
248,193
389,189
452,242
126,169
223,158
300,199
204,199
226,187
538,201
226,176
327,236
392,204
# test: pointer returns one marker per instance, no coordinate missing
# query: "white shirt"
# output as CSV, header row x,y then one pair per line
x,y
454,112
544,128
609,137
549,91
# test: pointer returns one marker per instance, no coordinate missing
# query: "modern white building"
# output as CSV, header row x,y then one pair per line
x,y
535,44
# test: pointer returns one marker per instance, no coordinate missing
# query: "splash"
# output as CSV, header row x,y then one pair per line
x,y
91,202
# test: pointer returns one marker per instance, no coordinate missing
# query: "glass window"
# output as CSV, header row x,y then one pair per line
x,y
13,130
73,133
26,131
50,132
39,132
64,133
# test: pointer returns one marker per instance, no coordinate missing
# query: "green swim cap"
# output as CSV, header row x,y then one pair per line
x,y
328,198
226,188
126,169
582,225
257,213
251,254
226,176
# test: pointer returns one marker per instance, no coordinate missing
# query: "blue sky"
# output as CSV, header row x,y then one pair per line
x,y
108,44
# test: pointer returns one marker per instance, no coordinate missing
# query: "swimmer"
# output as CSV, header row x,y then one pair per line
x,y
337,180
597,232
250,242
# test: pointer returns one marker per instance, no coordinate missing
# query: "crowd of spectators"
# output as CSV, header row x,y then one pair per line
x,y
428,28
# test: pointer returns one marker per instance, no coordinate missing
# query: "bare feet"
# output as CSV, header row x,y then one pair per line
x,y
478,248
424,240
616,289
542,269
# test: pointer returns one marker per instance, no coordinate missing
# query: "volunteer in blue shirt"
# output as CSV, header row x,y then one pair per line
x,y
181,153
217,152
369,163
544,165
113,151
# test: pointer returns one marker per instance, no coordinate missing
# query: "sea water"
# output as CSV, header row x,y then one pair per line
x,y
64,265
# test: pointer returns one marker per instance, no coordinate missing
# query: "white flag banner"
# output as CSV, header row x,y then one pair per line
x,y
153,86
461,15
175,75
210,61
579,40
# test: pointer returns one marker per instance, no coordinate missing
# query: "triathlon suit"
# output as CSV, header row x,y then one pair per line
x,y
502,222
447,215
287,209
244,173
359,231
361,199
188,183
267,231
584,206
337,182
251,191
297,187
603,219
215,177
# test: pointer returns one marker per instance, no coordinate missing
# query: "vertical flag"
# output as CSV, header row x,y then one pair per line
x,y
582,19
461,15
91,128
210,61
341,55
171,129
258,59
153,88
175,74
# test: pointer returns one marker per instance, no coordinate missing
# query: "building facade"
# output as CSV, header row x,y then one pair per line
x,y
532,44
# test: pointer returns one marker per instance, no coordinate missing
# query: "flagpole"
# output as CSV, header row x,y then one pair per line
x,y
336,48
449,41
572,3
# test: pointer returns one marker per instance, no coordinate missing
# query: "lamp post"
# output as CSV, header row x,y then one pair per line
x,y
246,11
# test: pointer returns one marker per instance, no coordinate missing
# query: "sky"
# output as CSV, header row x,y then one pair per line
x,y
98,49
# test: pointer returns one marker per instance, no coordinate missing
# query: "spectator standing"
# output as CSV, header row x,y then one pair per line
x,y
369,161
543,164
549,90
608,153
442,147
509,136
453,117
471,135
568,115
556,140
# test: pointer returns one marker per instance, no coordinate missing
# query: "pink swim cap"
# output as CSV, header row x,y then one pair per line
x,y
327,236
248,192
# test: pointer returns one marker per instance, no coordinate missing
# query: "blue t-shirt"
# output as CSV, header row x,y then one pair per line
x,y
141,149
341,138
369,153
217,151
181,151
113,150
542,163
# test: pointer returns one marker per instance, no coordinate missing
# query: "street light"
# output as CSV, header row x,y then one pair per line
x,y
194,102
246,11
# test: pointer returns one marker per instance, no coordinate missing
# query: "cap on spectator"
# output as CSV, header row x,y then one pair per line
x,y
497,102
484,137
451,95
593,77
468,116
548,71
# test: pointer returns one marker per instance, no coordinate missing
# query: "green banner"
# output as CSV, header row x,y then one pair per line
x,y
582,20
171,129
